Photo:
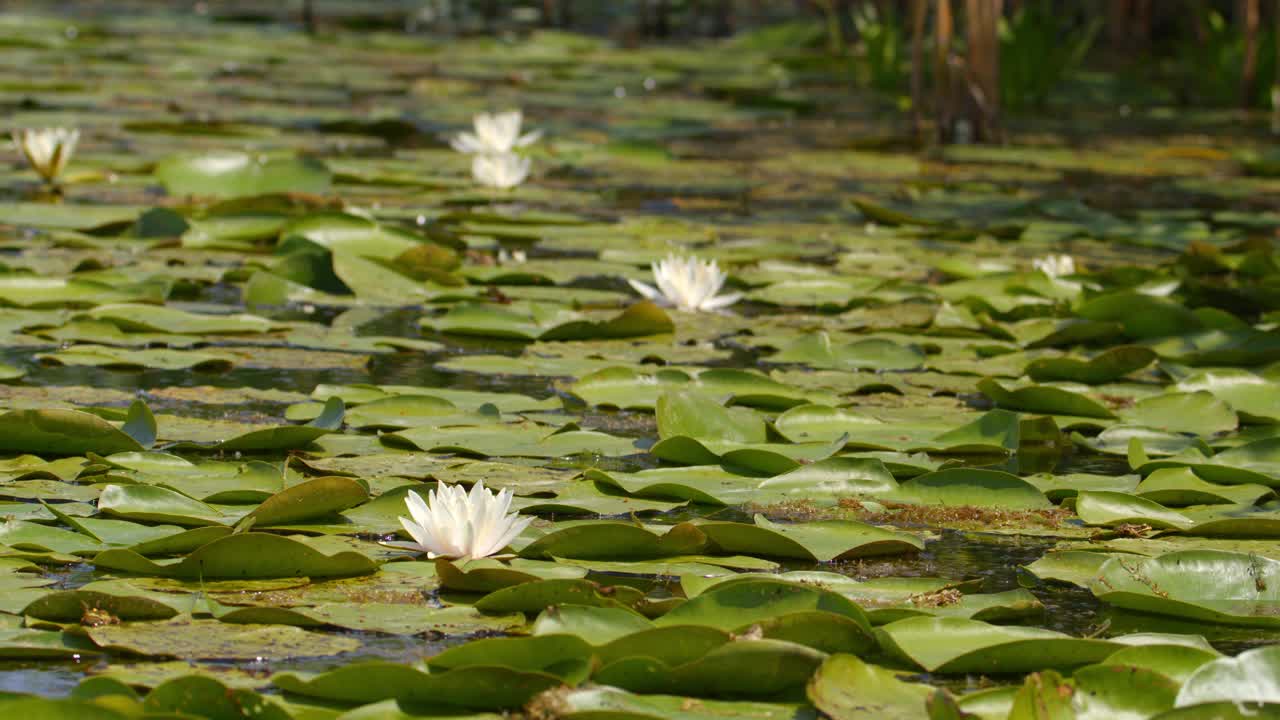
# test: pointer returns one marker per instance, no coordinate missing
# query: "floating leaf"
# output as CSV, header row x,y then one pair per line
x,y
957,645
819,618
197,695
533,597
62,432
210,639
746,668
246,555
315,498
1200,413
157,504
1107,366
971,486
871,354
1043,399
491,688
600,701
846,687
821,541
548,322
1246,679
691,414
1202,585
233,174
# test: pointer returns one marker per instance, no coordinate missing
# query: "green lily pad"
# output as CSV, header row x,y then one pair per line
x,y
547,322
198,695
134,318
1179,487
818,618
747,668
691,414
1077,567
970,486
1246,679
1200,413
820,541
525,440
62,432
846,687
486,575
1107,366
595,625
284,437
26,644
210,639
120,358
626,387
565,655
233,174
1250,396
1043,399
533,597
1174,662
611,702
157,504
957,645
315,498
1203,585
872,354
830,479
480,688
1113,508
246,555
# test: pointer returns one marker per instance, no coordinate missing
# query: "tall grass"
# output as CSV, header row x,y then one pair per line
x,y
1037,53
884,46
1211,68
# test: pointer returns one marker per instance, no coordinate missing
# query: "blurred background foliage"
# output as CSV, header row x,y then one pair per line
x,y
929,56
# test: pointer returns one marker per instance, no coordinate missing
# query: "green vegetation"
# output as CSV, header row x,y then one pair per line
x,y
783,415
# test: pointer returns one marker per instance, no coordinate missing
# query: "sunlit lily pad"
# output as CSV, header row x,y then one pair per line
x,y
956,645
229,174
845,687
1204,585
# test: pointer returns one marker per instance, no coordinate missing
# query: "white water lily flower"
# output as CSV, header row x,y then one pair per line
x,y
500,171
495,134
1056,265
688,284
47,149
514,257
455,524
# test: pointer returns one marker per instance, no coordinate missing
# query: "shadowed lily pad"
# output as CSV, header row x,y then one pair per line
x,y
247,555
483,687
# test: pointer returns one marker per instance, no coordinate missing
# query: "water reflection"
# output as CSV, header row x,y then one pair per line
x,y
43,678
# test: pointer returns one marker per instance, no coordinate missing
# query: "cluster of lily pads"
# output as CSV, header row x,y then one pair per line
x,y
299,422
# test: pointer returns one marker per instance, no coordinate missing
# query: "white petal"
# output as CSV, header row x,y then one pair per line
x,y
466,142
529,138
671,282
449,516
423,540
647,290
48,150
483,517
513,530
721,301
417,507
